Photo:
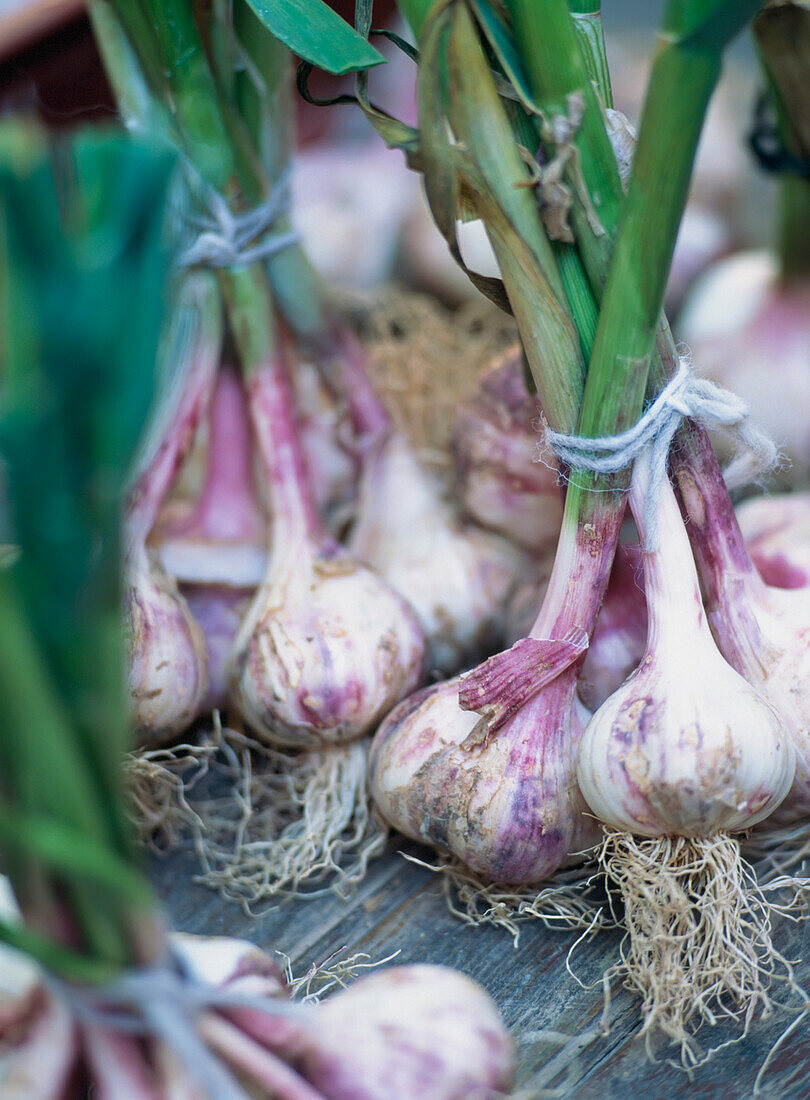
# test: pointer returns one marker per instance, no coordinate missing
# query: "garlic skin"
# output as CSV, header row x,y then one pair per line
x,y
503,484
741,322
508,807
618,640
168,663
455,577
776,530
325,651
326,648
216,545
409,1031
685,746
330,444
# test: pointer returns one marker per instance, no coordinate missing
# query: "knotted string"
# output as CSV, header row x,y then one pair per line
x,y
164,1002
227,239
684,396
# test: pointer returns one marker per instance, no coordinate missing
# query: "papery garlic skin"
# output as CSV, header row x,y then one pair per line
x,y
455,577
409,1031
509,808
502,483
216,545
331,650
686,746
330,445
741,322
326,648
168,665
776,530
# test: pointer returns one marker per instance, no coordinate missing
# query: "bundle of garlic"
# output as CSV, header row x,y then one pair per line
x,y
96,997
502,769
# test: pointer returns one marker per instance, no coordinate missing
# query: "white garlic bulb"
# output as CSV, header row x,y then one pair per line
x,y
686,746
455,576
326,647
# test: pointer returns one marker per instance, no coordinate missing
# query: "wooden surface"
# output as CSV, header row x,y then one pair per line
x,y
400,907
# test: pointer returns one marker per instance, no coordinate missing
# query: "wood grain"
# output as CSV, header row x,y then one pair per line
x,y
399,907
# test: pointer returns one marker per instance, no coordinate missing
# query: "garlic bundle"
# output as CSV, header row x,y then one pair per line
x,y
326,648
776,530
507,805
168,667
743,323
502,483
686,746
216,547
455,576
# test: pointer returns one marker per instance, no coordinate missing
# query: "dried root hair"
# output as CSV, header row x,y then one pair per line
x,y
160,783
698,947
265,824
778,849
286,824
570,899
321,979
422,356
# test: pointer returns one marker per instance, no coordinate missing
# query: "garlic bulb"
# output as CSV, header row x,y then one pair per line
x,y
168,667
776,530
216,546
455,576
503,484
409,1031
741,322
168,663
326,647
761,630
686,746
508,806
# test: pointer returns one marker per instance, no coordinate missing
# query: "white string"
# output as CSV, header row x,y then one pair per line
x,y
684,396
163,1002
226,239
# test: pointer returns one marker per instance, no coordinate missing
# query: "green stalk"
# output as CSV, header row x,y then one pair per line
x,y
782,35
530,275
587,16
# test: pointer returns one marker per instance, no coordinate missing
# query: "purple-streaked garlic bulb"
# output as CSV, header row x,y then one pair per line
x,y
326,648
168,666
415,1031
456,577
776,530
751,333
763,631
685,746
496,437
508,805
216,547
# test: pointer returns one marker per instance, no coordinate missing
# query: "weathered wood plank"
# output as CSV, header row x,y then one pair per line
x,y
399,907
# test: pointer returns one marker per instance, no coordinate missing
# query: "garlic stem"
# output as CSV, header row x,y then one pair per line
x,y
294,520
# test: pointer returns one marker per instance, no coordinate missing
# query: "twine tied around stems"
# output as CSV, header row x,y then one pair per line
x,y
228,239
684,397
163,1002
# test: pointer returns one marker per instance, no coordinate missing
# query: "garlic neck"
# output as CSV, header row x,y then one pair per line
x,y
154,483
344,360
580,573
674,603
226,510
294,518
